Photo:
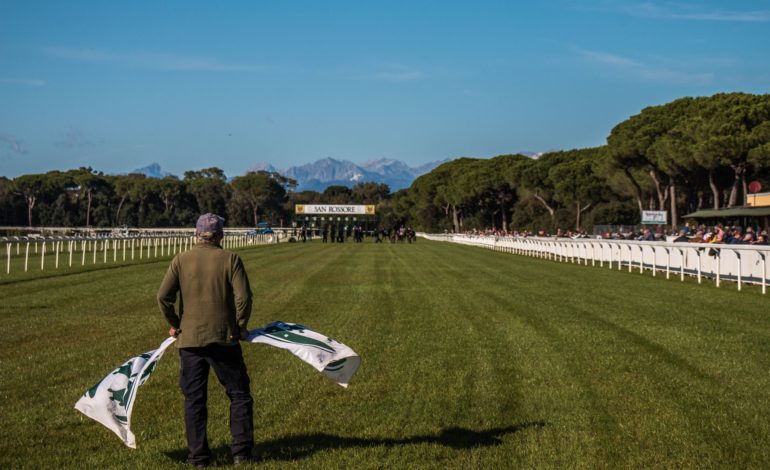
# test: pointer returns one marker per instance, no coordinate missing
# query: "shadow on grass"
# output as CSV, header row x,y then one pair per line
x,y
302,445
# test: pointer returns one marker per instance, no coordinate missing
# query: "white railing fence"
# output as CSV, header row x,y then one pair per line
x,y
53,252
737,263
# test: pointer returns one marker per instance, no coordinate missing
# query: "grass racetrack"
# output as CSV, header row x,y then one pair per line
x,y
470,359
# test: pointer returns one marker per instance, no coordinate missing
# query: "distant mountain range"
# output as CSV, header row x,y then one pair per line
x,y
320,174
152,171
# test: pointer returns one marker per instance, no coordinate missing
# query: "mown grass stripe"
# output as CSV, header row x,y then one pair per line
x,y
470,359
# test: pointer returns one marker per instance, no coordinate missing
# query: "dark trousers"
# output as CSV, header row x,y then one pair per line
x,y
227,362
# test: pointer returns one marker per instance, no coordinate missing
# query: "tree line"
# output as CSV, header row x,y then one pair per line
x,y
689,154
85,197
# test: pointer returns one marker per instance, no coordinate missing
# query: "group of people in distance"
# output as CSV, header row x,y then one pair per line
x,y
396,234
720,234
340,234
702,233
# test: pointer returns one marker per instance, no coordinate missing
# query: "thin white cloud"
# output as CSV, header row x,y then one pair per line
x,y
690,12
12,144
147,60
606,58
22,81
646,71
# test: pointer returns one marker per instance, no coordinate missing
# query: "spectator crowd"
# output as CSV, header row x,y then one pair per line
x,y
727,234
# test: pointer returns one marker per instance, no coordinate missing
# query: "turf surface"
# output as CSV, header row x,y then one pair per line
x,y
470,359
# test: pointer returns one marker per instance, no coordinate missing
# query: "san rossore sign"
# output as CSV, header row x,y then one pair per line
x,y
327,209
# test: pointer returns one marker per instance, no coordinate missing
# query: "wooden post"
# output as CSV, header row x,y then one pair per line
x,y
124,249
57,255
8,269
42,257
26,258
70,246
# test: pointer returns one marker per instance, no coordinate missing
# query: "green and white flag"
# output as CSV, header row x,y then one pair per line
x,y
111,400
337,361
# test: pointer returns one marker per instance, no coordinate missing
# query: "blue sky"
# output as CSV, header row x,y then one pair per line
x,y
193,84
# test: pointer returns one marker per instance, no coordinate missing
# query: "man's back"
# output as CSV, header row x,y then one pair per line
x,y
215,296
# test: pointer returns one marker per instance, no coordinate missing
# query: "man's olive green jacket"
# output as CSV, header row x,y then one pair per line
x,y
214,296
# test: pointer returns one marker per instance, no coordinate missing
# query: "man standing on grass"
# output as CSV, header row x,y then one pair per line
x,y
214,308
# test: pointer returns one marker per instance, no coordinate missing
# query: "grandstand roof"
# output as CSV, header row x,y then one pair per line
x,y
745,211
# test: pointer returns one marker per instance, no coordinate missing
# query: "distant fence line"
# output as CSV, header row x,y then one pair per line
x,y
720,262
54,251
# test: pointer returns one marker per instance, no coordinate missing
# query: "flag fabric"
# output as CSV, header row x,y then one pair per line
x,y
112,399
335,360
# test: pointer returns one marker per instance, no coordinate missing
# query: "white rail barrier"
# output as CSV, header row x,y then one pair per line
x,y
720,262
94,250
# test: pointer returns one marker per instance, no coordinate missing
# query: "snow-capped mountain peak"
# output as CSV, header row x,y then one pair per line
x,y
328,171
